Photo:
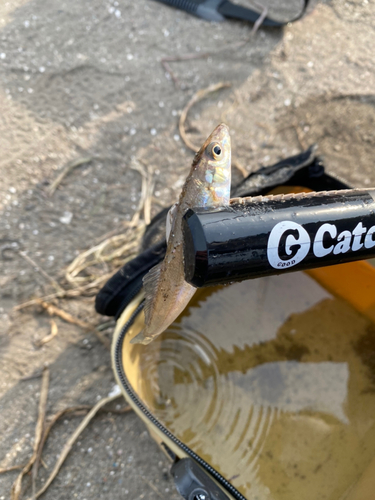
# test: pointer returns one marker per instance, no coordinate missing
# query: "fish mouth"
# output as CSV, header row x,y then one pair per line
x,y
221,128
220,134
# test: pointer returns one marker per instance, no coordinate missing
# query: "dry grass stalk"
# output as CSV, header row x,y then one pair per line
x,y
50,336
61,295
40,428
90,289
198,96
76,411
69,444
141,168
300,138
32,376
106,325
17,485
119,248
44,427
12,467
299,134
240,168
148,202
260,19
36,267
187,57
56,311
85,274
65,171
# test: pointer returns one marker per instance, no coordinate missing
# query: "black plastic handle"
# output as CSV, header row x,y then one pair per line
x,y
193,483
262,236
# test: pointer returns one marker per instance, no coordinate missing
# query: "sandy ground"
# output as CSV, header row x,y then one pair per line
x,y
84,79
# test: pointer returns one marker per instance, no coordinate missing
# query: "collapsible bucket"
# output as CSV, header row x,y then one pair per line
x,y
263,389
267,384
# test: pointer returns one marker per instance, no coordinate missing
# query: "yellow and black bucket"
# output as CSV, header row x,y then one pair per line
x,y
262,389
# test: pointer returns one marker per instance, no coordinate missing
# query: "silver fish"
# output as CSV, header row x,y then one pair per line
x,y
207,185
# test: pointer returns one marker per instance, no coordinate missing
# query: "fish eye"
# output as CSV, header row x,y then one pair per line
x,y
216,151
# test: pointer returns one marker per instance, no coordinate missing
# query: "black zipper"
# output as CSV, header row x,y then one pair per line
x,y
125,383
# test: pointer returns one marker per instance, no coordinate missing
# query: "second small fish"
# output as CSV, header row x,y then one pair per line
x,y
207,185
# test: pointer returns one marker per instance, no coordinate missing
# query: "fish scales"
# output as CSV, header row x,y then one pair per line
x,y
207,185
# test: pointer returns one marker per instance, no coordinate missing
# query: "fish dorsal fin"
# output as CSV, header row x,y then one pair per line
x,y
150,285
170,218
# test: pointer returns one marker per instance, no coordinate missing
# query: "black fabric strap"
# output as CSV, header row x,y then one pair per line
x,y
229,9
218,10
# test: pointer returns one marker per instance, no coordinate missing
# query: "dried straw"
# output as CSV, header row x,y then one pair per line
x,y
17,485
69,444
93,267
198,96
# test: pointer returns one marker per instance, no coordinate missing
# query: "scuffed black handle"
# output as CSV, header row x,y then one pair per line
x,y
193,483
263,236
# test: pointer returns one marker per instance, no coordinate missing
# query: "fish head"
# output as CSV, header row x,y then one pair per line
x,y
212,169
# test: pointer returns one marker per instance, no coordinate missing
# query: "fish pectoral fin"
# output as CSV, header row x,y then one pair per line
x,y
150,287
141,338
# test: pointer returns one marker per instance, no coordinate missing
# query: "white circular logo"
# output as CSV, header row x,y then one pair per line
x,y
288,244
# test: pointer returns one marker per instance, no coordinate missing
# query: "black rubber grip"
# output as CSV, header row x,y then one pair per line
x,y
261,236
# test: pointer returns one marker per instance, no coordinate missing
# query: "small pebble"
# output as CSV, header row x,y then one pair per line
x,y
115,391
66,218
